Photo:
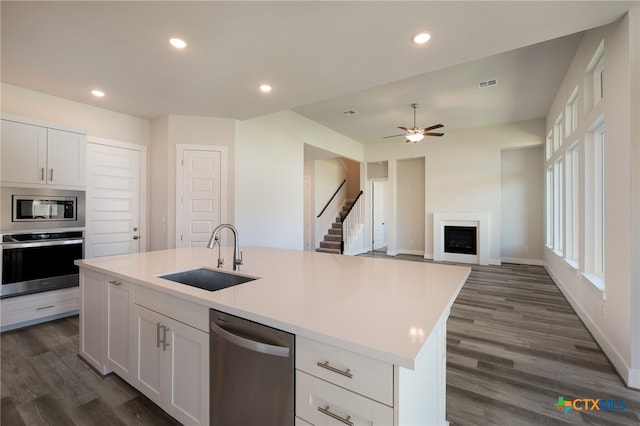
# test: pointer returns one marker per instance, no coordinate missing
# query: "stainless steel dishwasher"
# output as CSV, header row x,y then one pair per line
x,y
252,373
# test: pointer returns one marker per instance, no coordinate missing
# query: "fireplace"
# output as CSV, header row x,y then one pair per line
x,y
460,239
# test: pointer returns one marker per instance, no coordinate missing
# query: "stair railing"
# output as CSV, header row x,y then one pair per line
x,y
330,212
351,221
332,198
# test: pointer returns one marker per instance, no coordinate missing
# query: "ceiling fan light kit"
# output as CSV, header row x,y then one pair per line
x,y
415,134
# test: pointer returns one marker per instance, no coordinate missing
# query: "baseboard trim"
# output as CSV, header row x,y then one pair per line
x,y
523,261
617,361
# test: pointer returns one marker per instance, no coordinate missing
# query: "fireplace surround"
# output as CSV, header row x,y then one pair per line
x,y
467,223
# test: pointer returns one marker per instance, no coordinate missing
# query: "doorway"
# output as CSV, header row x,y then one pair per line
x,y
201,193
116,197
378,215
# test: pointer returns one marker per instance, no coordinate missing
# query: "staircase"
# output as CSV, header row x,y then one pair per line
x,y
332,240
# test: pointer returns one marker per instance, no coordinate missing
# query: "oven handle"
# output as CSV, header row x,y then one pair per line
x,y
11,246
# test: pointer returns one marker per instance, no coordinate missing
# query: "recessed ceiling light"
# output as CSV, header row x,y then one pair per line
x,y
97,93
265,88
421,38
178,43
349,113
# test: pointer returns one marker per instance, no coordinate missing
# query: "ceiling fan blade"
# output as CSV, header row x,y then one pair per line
x,y
404,128
433,134
437,126
394,136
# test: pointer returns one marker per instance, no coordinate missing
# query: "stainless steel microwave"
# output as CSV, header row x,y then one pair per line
x,y
36,208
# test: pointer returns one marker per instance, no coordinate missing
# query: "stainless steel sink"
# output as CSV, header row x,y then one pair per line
x,y
207,279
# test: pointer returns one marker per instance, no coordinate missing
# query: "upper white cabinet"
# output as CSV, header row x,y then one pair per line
x,y
42,156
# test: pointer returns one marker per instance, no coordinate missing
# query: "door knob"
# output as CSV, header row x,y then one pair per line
x,y
135,229
135,237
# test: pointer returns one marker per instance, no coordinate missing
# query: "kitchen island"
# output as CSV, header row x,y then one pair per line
x,y
383,319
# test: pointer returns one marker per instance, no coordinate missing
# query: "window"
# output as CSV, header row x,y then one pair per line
x,y
549,146
595,202
594,79
571,114
572,174
557,134
549,221
598,81
558,203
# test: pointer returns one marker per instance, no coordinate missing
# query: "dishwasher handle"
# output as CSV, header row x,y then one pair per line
x,y
252,345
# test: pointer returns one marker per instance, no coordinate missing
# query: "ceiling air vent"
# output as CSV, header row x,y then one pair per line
x,y
488,83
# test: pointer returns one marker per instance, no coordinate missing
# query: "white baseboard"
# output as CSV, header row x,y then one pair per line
x,y
634,378
523,261
609,350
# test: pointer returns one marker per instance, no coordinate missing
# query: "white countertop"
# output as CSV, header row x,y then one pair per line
x,y
382,308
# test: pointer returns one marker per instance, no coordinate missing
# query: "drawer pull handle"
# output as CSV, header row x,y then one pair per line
x,y
346,373
45,307
325,410
114,282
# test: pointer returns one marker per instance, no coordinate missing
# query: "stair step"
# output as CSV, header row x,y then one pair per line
x,y
335,231
332,237
330,244
336,225
326,250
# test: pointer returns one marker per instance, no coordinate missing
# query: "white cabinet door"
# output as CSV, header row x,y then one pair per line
x,y
189,393
33,154
120,349
150,368
24,153
66,158
173,366
92,331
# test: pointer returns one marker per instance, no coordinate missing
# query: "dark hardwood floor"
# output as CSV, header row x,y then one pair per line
x,y
514,346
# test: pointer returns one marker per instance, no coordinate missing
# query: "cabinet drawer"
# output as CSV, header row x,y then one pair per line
x,y
366,376
322,403
186,312
40,305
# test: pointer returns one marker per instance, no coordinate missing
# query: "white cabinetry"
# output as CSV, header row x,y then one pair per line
x,y
20,311
156,342
334,385
173,366
43,156
120,350
92,324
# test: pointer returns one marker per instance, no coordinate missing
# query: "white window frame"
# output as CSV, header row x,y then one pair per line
x,y
549,145
571,114
557,134
549,207
558,206
595,204
598,81
572,174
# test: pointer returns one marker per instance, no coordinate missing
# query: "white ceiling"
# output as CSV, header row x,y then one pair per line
x,y
322,57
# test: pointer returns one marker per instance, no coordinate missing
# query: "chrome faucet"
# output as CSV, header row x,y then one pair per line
x,y
215,239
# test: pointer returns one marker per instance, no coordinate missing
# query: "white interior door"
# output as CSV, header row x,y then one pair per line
x,y
201,196
113,200
379,229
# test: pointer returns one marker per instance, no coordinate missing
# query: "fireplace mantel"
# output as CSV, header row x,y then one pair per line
x,y
478,220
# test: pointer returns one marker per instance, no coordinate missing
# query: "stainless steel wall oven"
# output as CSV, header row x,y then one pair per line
x,y
42,236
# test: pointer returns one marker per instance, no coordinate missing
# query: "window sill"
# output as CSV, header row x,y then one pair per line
x,y
574,265
595,281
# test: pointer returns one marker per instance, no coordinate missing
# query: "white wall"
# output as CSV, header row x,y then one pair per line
x,y
608,313
168,132
98,122
269,175
462,174
522,205
410,211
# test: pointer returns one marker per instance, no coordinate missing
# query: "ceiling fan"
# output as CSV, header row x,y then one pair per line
x,y
416,134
